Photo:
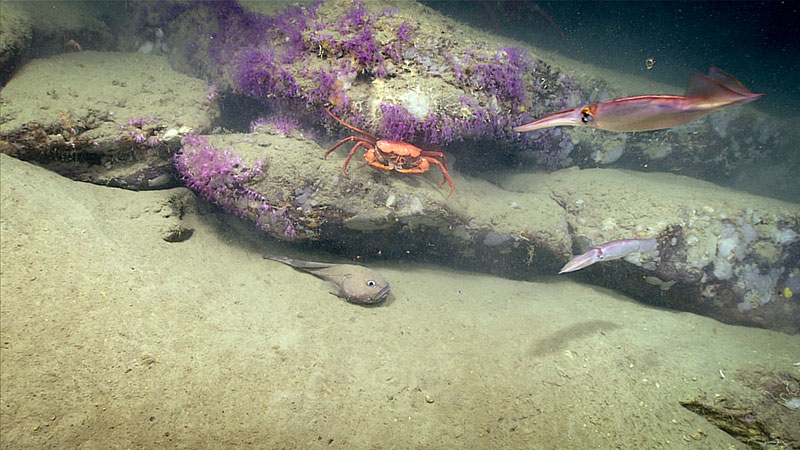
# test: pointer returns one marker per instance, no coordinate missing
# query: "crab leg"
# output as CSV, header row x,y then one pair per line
x,y
439,155
391,155
444,172
360,143
345,140
374,138
609,252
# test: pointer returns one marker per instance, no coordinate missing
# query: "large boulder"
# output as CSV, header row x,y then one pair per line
x,y
109,118
725,254
16,33
406,72
45,28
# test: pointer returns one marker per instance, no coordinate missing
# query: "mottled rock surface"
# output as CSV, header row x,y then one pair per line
x,y
113,337
722,253
404,71
109,118
16,32
41,29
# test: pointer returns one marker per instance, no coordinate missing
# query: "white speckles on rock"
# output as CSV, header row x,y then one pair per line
x,y
608,225
170,134
390,200
416,103
415,206
147,47
493,239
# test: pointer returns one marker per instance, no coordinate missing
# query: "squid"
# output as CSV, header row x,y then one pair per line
x,y
609,252
704,94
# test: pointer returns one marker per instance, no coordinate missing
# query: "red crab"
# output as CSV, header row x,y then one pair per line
x,y
400,156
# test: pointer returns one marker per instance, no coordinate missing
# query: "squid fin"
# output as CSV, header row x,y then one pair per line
x,y
718,89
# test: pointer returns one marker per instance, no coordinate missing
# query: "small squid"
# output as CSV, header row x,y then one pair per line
x,y
704,94
609,252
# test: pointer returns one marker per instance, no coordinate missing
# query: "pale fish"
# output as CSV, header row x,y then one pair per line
x,y
356,284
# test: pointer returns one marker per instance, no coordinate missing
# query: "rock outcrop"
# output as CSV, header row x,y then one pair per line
x,y
107,118
721,253
408,73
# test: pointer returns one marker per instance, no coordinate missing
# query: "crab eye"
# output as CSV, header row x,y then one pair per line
x,y
371,283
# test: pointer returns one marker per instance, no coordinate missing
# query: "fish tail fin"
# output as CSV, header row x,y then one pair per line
x,y
296,263
282,259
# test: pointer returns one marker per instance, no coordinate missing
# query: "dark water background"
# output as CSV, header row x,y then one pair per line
x,y
757,42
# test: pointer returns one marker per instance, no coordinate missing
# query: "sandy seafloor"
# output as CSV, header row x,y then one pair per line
x,y
115,338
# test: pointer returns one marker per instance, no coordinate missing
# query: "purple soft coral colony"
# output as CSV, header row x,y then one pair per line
x,y
322,55
220,177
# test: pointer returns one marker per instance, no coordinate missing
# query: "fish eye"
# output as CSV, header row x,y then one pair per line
x,y
371,283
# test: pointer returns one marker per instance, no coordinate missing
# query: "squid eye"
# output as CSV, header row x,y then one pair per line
x,y
371,283
586,115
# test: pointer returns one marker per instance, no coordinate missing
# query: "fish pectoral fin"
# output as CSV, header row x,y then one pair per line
x,y
332,288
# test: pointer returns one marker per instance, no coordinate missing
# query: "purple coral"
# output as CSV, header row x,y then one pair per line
x,y
397,124
257,125
283,123
258,75
138,135
440,129
327,87
364,48
212,92
301,59
357,30
403,31
220,177
289,25
502,76
260,52
555,148
355,18
139,122
141,130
